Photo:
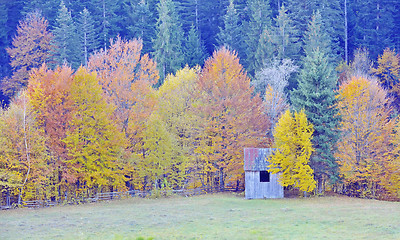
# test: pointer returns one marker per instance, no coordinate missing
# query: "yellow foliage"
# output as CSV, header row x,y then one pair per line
x,y
362,151
293,145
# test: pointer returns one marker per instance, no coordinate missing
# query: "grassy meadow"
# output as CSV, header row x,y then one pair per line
x,y
215,216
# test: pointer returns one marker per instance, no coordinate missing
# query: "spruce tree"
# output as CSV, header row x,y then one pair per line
x,y
66,39
280,41
230,34
315,94
88,36
259,19
195,52
168,43
142,23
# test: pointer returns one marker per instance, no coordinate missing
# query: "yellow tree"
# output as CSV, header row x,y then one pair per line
x,y
291,158
93,141
231,118
176,98
23,168
365,134
391,180
388,72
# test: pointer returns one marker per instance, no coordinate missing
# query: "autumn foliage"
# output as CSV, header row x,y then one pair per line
x,y
30,49
364,147
291,158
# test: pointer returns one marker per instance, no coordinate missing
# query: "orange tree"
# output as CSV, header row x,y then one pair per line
x,y
49,94
30,49
231,116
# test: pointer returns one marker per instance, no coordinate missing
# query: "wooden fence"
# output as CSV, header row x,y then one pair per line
x,y
108,196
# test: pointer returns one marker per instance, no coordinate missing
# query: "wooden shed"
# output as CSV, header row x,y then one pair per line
x,y
259,183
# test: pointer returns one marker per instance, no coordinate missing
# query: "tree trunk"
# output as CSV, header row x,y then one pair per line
x,y
346,51
26,153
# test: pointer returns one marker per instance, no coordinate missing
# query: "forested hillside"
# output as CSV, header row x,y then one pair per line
x,y
104,95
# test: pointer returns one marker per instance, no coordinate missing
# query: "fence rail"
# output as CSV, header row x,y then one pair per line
x,y
108,196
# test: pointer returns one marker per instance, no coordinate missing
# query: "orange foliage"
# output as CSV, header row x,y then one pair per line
x,y
30,48
126,77
232,117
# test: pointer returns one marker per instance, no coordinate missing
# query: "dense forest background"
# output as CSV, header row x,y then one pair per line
x,y
350,24
111,95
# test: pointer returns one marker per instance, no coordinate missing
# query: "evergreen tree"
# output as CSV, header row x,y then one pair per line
x,y
88,35
109,21
315,93
230,34
301,12
47,8
316,37
211,13
66,39
142,23
189,11
371,25
168,43
259,19
280,41
195,52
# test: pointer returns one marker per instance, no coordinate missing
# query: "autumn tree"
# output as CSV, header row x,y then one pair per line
x,y
270,82
391,180
231,117
126,76
292,140
23,151
30,49
388,73
177,100
49,95
93,141
365,128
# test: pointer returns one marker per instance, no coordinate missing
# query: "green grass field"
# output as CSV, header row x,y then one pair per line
x,y
217,216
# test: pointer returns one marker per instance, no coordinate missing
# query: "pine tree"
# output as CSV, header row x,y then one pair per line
x,y
195,52
66,39
88,35
315,93
168,43
259,19
230,34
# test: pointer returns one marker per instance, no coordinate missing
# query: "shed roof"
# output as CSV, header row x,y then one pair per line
x,y
255,159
